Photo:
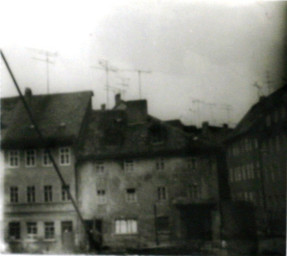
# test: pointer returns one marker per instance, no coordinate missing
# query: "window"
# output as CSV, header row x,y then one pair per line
x,y
45,158
131,195
65,156
31,194
126,226
268,120
161,193
49,230
192,162
129,165
194,191
30,158
32,228
65,194
100,167
160,164
67,226
14,230
162,224
101,196
13,158
14,194
48,194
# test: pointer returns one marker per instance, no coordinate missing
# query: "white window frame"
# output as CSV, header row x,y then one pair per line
x,y
67,155
16,157
44,156
26,158
128,226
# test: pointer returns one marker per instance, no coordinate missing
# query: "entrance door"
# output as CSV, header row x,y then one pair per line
x,y
196,221
94,229
67,235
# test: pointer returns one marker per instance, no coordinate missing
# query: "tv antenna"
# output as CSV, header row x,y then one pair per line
x,y
105,65
46,57
139,72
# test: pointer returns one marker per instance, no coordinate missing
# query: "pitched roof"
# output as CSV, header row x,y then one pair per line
x,y
251,121
110,135
59,117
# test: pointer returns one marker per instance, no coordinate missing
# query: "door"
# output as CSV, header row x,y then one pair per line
x,y
67,235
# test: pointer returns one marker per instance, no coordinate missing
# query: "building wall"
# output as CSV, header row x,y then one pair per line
x,y
39,211
179,176
257,164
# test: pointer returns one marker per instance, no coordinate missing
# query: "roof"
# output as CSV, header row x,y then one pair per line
x,y
59,117
251,121
110,135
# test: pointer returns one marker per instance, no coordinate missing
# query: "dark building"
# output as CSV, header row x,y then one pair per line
x,y
38,213
256,156
144,183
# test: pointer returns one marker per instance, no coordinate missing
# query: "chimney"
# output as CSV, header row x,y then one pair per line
x,y
103,107
117,98
225,126
205,126
28,94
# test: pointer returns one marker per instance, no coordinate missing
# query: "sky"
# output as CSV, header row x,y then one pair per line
x,y
203,56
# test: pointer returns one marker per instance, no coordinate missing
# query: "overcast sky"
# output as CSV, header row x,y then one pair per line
x,y
211,51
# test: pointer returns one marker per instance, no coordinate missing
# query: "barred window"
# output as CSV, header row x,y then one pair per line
x,y
65,156
13,158
126,226
49,230
30,158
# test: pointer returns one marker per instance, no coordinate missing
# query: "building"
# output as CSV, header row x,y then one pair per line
x,y
38,212
256,157
144,183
